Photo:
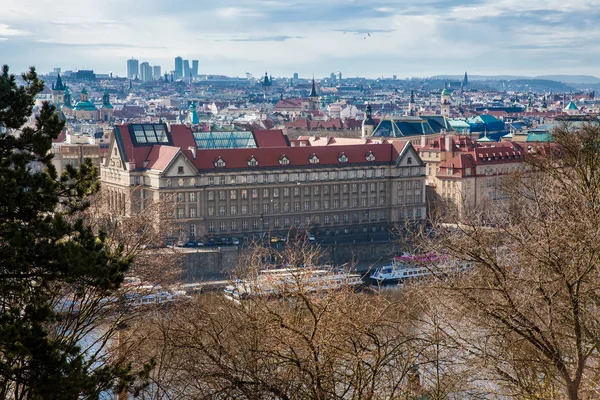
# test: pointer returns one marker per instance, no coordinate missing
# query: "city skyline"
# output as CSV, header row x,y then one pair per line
x,y
380,39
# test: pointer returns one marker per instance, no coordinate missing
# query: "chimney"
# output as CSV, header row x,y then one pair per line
x,y
423,141
448,143
193,150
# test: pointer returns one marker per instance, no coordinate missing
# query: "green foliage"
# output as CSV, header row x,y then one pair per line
x,y
45,250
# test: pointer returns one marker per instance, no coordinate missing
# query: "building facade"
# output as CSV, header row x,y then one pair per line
x,y
251,183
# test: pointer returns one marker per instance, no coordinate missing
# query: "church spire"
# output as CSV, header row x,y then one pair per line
x,y
313,90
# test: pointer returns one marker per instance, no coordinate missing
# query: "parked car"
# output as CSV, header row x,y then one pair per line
x,y
210,242
190,244
199,243
311,238
180,243
226,241
235,241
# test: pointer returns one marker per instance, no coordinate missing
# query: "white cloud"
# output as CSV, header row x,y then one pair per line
x,y
6,30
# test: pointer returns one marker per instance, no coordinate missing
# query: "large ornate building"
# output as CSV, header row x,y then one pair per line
x,y
248,183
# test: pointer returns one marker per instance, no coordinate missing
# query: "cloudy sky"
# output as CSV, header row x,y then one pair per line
x,y
360,38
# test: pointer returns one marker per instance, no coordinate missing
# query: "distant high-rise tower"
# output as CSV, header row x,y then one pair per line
x,y
133,68
194,68
178,67
295,76
145,72
186,69
338,75
156,72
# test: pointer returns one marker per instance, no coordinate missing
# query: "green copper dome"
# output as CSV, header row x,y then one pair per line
x,y
445,92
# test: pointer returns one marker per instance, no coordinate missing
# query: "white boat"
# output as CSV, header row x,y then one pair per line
x,y
409,266
282,281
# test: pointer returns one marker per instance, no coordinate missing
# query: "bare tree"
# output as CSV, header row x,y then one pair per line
x,y
528,309
301,344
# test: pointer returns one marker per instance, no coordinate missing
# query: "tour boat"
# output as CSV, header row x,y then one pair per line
x,y
409,266
282,281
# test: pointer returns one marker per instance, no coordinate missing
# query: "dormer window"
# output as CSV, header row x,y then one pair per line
x,y
253,162
284,160
409,160
370,156
314,159
343,158
219,163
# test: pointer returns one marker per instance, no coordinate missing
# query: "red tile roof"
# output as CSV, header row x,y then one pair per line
x,y
270,138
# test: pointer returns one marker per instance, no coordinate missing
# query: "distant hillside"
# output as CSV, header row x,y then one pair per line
x,y
577,79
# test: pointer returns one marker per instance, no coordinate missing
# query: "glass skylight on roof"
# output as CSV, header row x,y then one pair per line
x,y
224,140
149,133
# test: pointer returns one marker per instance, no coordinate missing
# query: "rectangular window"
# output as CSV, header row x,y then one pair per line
x,y
211,211
326,189
345,203
276,192
193,196
192,230
221,180
372,202
265,208
244,209
265,193
255,224
286,222
372,187
254,208
345,218
233,210
363,187
244,194
211,226
297,221
244,224
234,225
181,213
316,190
326,204
296,191
222,226
275,207
211,195
296,206
326,219
211,180
354,202
354,188
344,188
276,223
307,206
363,202
221,195
336,219
193,212
382,201
336,203
316,205
286,207
180,197
180,169
317,220
286,192
336,189
381,186
222,211
307,190
417,197
233,195
255,193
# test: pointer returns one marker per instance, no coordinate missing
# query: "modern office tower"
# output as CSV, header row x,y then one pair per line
x,y
194,68
295,76
186,70
133,68
332,76
145,72
156,72
178,67
338,75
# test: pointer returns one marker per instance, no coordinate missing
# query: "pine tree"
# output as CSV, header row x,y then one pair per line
x,y
47,254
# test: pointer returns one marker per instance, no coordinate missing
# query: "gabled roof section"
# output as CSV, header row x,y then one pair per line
x,y
161,157
270,138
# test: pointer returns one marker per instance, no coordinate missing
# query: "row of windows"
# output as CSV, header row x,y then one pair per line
x,y
409,197
285,192
287,222
295,206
